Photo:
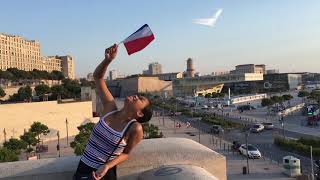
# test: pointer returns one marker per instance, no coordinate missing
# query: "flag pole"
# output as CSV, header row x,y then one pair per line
x,y
119,43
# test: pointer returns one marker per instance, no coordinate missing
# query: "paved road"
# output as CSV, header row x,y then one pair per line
x,y
260,169
263,140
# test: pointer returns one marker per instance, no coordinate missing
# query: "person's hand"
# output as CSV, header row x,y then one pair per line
x,y
100,172
111,52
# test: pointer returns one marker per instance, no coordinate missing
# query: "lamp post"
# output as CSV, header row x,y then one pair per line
x,y
282,125
247,134
58,145
67,123
195,107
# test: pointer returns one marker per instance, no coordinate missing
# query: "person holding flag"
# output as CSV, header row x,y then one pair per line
x,y
117,131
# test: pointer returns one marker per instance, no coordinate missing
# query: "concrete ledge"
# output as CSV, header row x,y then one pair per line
x,y
174,172
150,154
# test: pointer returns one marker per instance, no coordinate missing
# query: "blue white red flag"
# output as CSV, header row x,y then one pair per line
x,y
139,39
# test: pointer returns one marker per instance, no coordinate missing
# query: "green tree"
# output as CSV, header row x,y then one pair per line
x,y
81,139
29,138
42,89
208,95
37,128
15,145
2,93
151,131
214,95
72,87
5,75
221,95
287,97
57,75
57,90
24,93
7,155
266,102
277,99
303,94
315,95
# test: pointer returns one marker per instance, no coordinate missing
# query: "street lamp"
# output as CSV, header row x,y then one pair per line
x,y
282,125
58,145
67,132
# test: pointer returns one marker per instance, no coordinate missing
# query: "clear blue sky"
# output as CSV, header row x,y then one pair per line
x,y
283,34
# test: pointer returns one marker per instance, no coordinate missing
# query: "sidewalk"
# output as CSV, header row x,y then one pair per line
x,y
259,169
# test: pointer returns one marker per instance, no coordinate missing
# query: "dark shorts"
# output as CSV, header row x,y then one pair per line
x,y
85,170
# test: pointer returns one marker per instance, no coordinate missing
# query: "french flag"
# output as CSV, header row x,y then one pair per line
x,y
139,39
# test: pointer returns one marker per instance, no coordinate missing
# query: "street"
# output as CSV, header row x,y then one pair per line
x,y
263,168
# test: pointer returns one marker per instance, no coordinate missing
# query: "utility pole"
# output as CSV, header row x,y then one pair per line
x,y
247,134
58,145
311,159
67,132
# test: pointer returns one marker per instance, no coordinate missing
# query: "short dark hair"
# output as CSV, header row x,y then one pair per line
x,y
147,114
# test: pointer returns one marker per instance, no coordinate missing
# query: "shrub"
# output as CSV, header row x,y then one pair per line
x,y
297,146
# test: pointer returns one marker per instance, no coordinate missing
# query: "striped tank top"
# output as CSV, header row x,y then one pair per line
x,y
102,142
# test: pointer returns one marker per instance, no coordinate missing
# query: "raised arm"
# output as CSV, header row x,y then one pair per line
x,y
106,97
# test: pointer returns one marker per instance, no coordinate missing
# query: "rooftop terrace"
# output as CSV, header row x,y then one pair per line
x,y
164,158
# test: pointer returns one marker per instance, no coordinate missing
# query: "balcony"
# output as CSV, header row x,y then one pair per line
x,y
164,158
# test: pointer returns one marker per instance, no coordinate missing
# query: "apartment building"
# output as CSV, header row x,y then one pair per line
x,y
18,52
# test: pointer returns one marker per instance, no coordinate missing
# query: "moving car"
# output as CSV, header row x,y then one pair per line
x,y
253,152
268,125
216,129
257,128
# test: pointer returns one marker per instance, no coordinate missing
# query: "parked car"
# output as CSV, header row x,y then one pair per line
x,y
235,145
245,107
204,107
253,152
257,128
216,129
268,125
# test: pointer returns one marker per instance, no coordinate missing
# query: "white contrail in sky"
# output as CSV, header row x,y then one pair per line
x,y
209,21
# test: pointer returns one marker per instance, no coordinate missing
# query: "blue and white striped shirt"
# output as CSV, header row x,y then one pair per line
x,y
102,143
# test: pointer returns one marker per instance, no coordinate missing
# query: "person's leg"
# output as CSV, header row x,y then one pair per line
x,y
111,174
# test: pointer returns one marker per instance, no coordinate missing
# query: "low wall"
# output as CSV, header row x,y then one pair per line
x,y
184,155
17,117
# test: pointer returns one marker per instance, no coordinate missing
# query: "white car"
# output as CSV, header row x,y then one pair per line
x,y
204,107
253,152
268,125
257,128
